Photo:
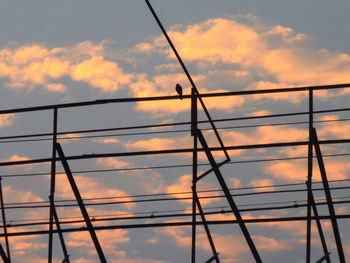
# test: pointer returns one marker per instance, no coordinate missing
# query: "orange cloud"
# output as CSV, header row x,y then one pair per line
x,y
34,65
184,184
262,182
112,163
276,53
6,119
162,85
89,188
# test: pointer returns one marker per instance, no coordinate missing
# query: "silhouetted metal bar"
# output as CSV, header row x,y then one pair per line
x,y
3,255
211,170
194,127
206,227
172,224
309,180
328,197
173,151
325,257
81,203
59,230
189,78
229,197
52,183
318,222
4,222
155,98
212,258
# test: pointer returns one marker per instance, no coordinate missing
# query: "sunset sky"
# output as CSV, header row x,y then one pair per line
x,y
55,52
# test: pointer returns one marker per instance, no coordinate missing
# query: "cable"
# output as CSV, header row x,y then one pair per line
x,y
153,215
174,166
22,206
147,133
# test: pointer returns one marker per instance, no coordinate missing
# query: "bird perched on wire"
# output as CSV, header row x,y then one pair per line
x,y
179,90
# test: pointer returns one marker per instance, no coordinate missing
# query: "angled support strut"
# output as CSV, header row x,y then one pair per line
x,y
81,204
228,196
328,197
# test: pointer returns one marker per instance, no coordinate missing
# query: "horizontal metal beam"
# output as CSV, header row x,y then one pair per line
x,y
174,151
172,224
203,95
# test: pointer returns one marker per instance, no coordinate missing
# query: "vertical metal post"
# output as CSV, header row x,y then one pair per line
x,y
309,180
52,182
80,203
328,197
194,124
4,222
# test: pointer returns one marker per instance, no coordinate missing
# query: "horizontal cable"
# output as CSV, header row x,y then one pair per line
x,y
174,224
153,215
172,151
161,132
158,98
174,166
38,203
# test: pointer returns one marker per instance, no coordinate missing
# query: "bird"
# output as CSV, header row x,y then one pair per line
x,y
179,90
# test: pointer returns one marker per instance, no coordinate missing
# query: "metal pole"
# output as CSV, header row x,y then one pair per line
x,y
4,222
52,183
318,223
229,197
3,255
328,197
60,234
309,180
81,204
206,227
189,78
194,125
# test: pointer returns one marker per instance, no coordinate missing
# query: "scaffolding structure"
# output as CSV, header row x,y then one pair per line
x,y
200,145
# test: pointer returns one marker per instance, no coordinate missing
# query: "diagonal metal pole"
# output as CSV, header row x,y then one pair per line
x,y
52,183
309,180
59,230
212,258
325,257
3,255
4,222
328,197
189,77
229,197
81,204
318,223
194,124
206,227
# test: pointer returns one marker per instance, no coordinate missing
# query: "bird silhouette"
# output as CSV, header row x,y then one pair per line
x,y
179,90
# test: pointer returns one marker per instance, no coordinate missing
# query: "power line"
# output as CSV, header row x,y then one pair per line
x,y
152,132
37,204
173,166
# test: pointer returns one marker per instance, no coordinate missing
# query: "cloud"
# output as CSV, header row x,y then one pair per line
x,y
112,163
6,120
184,184
262,182
89,188
36,65
162,85
272,56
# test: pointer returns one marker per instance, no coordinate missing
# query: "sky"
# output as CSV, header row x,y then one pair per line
x,y
55,52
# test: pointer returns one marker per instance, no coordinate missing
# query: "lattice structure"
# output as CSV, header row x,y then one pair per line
x,y
200,145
